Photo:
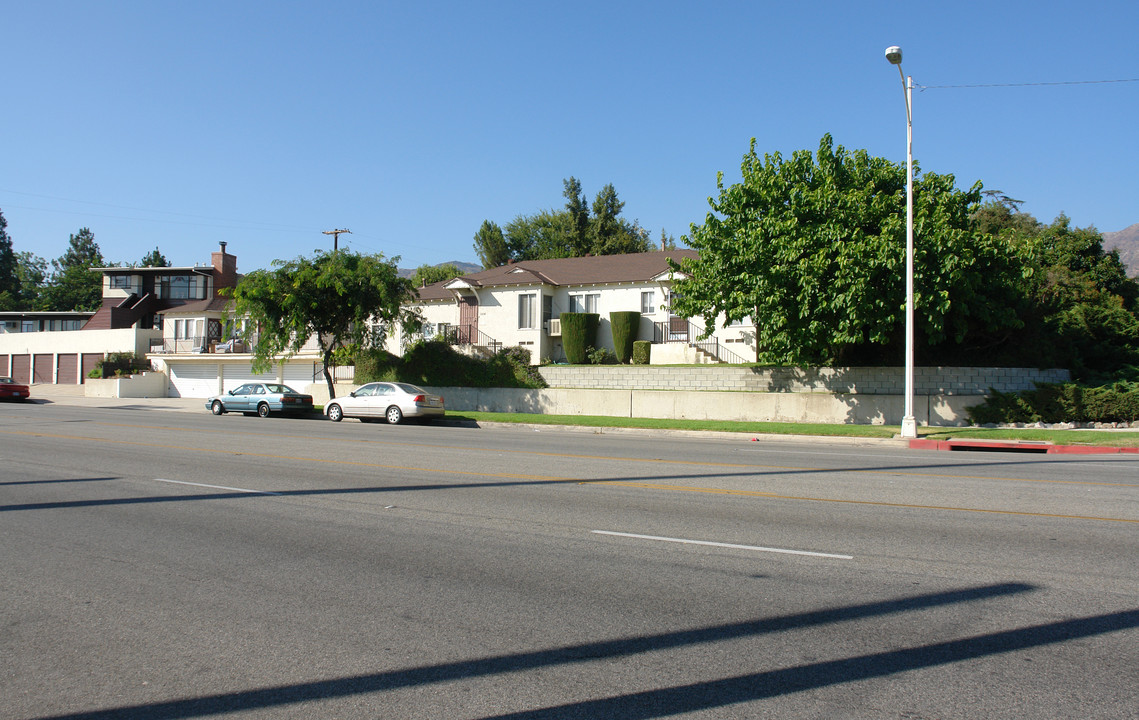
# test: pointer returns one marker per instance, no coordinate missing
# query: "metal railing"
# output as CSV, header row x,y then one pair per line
x,y
339,373
682,330
468,335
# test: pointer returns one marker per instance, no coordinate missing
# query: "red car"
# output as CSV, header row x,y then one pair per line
x,y
12,390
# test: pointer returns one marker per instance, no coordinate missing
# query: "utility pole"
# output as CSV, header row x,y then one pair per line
x,y
336,237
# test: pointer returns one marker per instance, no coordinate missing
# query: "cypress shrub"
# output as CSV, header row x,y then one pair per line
x,y
624,325
579,335
641,349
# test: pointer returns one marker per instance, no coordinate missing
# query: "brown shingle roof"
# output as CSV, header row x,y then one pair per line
x,y
595,270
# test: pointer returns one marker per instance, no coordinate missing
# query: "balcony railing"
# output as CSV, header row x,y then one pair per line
x,y
467,335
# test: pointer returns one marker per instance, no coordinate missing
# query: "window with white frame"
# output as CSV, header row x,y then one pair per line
x,y
584,302
527,311
648,302
745,321
121,282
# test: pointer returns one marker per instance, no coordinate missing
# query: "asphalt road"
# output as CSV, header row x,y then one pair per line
x,y
179,565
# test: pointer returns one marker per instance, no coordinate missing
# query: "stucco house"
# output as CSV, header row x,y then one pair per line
x,y
519,304
175,316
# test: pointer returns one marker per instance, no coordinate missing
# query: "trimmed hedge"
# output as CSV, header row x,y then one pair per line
x,y
579,335
1055,403
641,352
625,325
440,365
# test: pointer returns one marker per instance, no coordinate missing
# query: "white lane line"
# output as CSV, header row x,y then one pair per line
x,y
723,545
216,487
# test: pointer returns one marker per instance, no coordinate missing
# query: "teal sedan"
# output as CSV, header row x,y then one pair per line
x,y
262,399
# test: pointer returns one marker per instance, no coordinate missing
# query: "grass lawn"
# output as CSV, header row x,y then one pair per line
x,y
1119,438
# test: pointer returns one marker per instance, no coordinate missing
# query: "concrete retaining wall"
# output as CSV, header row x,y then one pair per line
x,y
858,380
839,408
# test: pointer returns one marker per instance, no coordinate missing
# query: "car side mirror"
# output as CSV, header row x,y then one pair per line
x,y
352,394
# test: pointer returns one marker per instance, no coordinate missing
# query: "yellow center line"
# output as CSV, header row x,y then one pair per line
x,y
878,503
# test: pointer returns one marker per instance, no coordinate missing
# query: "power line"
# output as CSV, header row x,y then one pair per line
x,y
1027,84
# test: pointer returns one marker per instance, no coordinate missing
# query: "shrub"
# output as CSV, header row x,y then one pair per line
x,y
601,356
641,352
1066,402
624,325
579,332
117,364
438,364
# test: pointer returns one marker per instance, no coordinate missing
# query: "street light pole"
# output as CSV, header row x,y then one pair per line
x,y
909,424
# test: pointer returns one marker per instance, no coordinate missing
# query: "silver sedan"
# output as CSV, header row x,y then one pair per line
x,y
392,401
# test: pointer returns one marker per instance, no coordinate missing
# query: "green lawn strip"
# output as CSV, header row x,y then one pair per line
x,y
767,428
1059,437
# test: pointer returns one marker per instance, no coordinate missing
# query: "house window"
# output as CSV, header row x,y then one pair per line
x,y
27,326
527,311
584,302
647,303
121,282
745,321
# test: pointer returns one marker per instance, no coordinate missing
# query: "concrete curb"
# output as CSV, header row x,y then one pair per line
x,y
1021,446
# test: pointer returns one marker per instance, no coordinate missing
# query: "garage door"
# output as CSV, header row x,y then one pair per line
x,y
68,369
240,373
22,369
299,375
4,368
90,360
193,380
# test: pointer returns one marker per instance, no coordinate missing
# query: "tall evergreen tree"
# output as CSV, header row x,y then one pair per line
x,y
9,277
73,286
154,258
491,245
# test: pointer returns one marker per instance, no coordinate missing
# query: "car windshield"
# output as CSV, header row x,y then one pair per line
x,y
279,389
410,389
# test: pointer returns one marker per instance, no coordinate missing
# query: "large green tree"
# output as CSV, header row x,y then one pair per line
x,y
33,273
429,274
72,285
10,287
154,258
333,296
576,230
812,247
490,244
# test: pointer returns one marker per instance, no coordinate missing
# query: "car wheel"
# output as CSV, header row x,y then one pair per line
x,y
263,410
335,414
217,408
394,415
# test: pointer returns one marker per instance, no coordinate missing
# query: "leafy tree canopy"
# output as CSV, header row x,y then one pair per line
x,y
335,296
10,286
72,285
814,247
154,258
576,230
490,244
428,274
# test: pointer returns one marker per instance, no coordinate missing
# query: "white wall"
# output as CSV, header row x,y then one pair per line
x,y
78,341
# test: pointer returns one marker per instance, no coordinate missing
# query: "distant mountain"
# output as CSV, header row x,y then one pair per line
x,y
1127,242
466,267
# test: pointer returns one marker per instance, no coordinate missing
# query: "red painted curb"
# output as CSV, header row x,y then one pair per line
x,y
1020,446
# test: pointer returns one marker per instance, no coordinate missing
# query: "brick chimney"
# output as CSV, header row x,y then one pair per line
x,y
225,268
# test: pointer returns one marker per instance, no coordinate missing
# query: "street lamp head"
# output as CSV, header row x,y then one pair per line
x,y
894,55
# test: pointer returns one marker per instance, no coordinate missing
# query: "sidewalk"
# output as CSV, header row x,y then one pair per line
x,y
75,395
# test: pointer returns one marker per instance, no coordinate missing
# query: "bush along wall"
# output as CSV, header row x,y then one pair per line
x,y
579,335
641,352
624,325
1053,403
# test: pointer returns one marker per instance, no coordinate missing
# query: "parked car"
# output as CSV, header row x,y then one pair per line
x,y
12,390
391,401
261,398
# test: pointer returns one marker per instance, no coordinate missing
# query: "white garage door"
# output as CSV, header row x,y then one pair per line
x,y
298,375
237,374
193,380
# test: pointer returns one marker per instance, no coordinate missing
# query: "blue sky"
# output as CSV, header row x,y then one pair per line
x,y
262,124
